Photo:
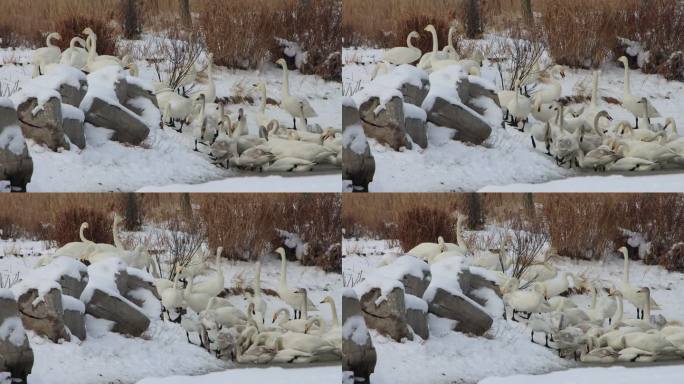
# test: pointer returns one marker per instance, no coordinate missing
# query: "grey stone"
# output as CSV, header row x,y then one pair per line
x,y
134,282
468,92
389,315
350,115
357,358
17,360
359,168
74,316
128,319
387,126
73,287
74,129
45,127
415,95
471,282
44,316
71,95
417,130
414,285
16,168
470,317
127,126
127,91
469,125
417,318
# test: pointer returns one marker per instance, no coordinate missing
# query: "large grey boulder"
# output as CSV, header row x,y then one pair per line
x,y
72,124
69,82
43,312
16,355
416,124
470,127
127,126
383,120
412,272
358,164
16,165
470,317
69,273
461,103
384,309
411,81
103,298
417,316
40,116
129,89
127,317
139,279
358,352
472,283
74,316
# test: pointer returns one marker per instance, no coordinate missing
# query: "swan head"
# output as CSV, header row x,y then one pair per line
x,y
624,60
280,251
282,63
605,114
622,250
85,225
414,35
327,299
431,28
88,31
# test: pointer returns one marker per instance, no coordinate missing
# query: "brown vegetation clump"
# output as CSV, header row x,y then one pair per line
x,y
73,27
67,229
423,224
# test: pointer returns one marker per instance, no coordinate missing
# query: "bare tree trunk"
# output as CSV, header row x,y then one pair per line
x,y
528,202
475,214
186,206
473,22
186,16
132,22
528,17
133,212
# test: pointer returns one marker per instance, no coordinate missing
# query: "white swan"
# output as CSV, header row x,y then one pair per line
x,y
291,297
529,301
632,293
291,164
253,158
403,55
50,54
624,129
297,107
553,91
172,297
635,104
257,298
631,164
425,62
207,128
557,285
137,258
226,316
197,301
216,284
174,107
601,308
449,49
77,249
427,251
74,56
261,116
282,148
519,108
209,93
115,231
281,318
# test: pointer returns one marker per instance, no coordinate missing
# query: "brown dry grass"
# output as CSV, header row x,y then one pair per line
x,y
578,225
244,224
240,33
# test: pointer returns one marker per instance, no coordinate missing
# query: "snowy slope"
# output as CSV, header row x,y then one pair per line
x,y
450,357
167,158
615,375
315,375
507,158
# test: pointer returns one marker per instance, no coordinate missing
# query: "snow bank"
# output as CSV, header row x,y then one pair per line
x,y
47,277
271,375
385,284
616,375
102,276
402,266
12,139
414,112
71,112
151,307
415,302
354,138
72,304
139,273
349,292
12,330
354,329
6,293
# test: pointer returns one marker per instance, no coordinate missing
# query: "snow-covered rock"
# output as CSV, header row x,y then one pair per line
x,y
471,281
16,164
39,111
415,120
358,164
382,116
68,81
72,124
450,102
383,306
446,299
413,273
74,316
43,313
16,355
103,298
358,352
417,315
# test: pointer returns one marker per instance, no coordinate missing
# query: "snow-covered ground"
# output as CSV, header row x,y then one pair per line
x,y
273,375
614,375
106,357
167,158
507,157
505,350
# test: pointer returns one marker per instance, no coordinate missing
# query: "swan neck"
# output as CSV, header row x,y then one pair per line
x,y
409,43
305,307
617,317
435,42
81,235
625,275
335,320
286,81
